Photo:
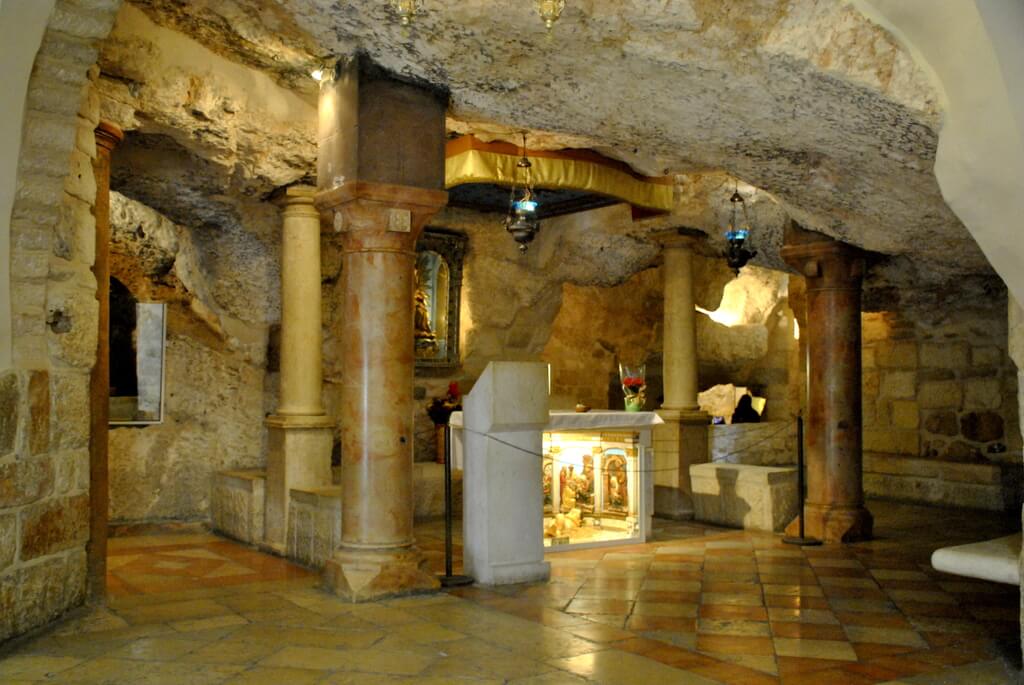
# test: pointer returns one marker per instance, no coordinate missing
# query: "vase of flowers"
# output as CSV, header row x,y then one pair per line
x,y
634,386
440,410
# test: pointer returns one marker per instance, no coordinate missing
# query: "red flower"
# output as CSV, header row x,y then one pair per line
x,y
632,381
453,389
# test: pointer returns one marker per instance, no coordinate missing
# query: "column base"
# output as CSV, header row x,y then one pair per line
x,y
672,503
834,524
359,575
298,456
678,443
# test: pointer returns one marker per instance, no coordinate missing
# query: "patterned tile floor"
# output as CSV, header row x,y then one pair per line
x,y
697,605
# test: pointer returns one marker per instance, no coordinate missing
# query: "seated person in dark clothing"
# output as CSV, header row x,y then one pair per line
x,y
745,412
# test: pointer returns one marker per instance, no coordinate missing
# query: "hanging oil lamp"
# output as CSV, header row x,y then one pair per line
x,y
550,11
407,10
737,254
522,222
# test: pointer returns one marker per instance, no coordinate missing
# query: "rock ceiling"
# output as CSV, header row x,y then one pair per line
x,y
805,100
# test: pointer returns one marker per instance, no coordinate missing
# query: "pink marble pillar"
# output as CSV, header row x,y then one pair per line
x,y
834,510
379,224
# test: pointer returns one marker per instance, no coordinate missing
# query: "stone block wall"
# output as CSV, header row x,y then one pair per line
x,y
772,443
44,397
942,389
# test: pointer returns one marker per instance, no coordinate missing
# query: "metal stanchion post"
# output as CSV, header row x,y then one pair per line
x,y
449,580
800,539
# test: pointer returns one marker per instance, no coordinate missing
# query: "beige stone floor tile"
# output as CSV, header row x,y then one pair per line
x,y
208,623
828,562
382,615
678,638
848,582
606,593
174,611
801,615
596,632
97,620
256,602
765,664
113,672
315,658
294,616
155,649
885,636
743,599
425,633
614,667
34,667
921,596
835,650
230,652
278,636
945,625
672,585
715,626
551,678
874,606
793,590
898,574
276,676
665,609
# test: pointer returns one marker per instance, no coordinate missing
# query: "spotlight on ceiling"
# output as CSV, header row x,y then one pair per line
x,y
737,255
317,74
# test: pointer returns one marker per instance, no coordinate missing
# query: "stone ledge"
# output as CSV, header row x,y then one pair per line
x,y
995,560
992,487
744,496
237,504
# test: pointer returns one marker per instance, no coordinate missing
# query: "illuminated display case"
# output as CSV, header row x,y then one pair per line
x,y
592,490
596,479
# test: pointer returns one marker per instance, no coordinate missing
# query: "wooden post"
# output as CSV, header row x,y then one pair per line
x,y
107,138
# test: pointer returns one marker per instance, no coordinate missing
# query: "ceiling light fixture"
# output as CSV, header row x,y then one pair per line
x,y
407,10
550,11
737,255
522,221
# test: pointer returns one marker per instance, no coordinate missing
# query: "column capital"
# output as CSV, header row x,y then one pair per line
x,y
379,215
824,262
295,195
108,135
679,237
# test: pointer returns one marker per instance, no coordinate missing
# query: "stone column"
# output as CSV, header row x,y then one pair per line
x,y
379,225
107,137
683,439
834,510
300,434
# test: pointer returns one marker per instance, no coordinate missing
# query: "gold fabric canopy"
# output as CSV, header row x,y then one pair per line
x,y
469,160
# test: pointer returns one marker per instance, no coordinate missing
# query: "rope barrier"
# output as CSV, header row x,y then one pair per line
x,y
542,456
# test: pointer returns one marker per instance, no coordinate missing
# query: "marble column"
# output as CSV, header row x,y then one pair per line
x,y
300,435
834,510
683,439
107,137
379,224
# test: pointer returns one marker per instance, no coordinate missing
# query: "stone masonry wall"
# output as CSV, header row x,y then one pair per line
x,y
940,387
44,398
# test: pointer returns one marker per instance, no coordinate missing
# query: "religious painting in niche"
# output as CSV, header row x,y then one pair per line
x,y
616,485
137,334
585,485
439,256
547,480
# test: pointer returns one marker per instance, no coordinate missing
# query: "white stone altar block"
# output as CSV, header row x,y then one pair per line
x,y
502,523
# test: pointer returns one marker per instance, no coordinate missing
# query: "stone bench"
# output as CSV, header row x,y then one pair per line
x,y
314,519
995,560
994,487
237,502
745,496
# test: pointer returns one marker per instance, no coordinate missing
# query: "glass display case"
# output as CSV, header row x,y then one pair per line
x,y
593,484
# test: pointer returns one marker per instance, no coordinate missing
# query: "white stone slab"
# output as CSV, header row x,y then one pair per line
x,y
503,511
996,560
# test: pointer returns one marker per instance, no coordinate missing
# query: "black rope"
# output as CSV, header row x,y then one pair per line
x,y
676,468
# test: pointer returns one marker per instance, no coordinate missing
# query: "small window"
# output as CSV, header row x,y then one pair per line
x,y
137,334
